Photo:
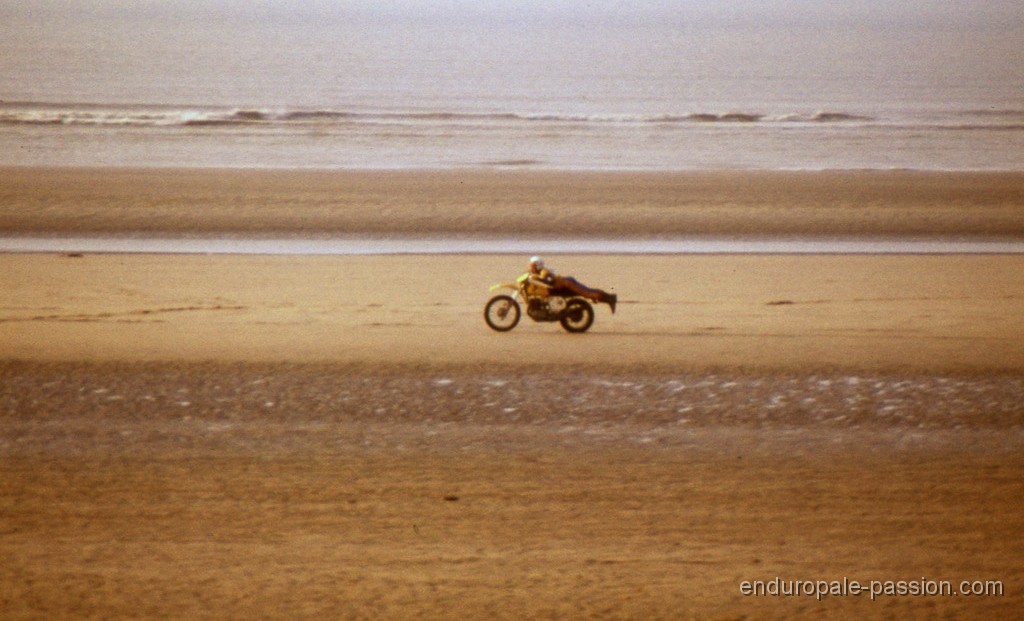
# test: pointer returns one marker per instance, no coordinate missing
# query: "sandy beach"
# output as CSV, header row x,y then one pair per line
x,y
764,313
313,436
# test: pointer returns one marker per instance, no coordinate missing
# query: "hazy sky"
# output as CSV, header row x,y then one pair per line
x,y
928,14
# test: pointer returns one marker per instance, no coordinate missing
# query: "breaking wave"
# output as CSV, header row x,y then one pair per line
x,y
94,114
53,114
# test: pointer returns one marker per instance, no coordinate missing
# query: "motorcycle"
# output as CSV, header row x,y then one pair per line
x,y
543,301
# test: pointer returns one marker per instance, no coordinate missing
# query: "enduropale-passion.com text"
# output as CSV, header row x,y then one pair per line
x,y
920,587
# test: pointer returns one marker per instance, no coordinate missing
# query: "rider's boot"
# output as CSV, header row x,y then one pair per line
x,y
610,299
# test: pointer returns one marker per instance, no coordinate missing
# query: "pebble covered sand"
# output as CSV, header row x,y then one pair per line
x,y
68,408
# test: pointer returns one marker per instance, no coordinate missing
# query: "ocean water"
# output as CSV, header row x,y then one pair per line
x,y
213,84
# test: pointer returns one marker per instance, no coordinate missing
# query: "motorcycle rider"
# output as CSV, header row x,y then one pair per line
x,y
549,277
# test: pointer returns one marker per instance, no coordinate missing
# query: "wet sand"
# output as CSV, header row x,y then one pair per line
x,y
473,202
310,437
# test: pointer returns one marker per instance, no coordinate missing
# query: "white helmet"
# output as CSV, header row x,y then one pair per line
x,y
536,263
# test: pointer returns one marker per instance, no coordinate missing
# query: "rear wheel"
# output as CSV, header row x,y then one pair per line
x,y
578,316
501,313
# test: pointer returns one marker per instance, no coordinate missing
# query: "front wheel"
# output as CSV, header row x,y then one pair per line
x,y
578,316
501,313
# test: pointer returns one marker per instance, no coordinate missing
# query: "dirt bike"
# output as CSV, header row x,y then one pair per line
x,y
544,302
